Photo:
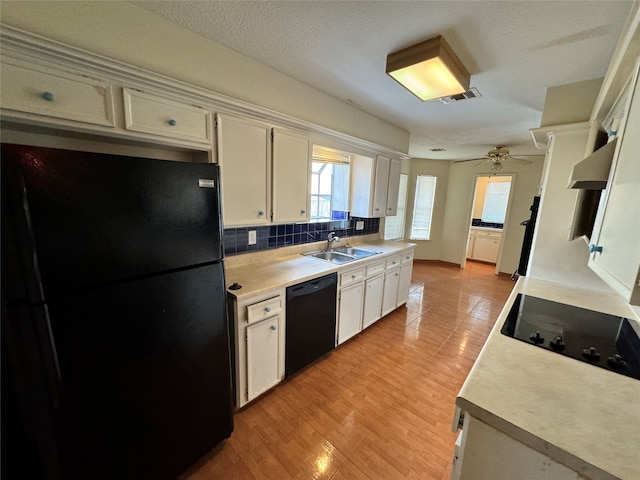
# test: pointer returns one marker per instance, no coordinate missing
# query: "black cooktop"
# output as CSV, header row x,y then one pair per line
x,y
603,340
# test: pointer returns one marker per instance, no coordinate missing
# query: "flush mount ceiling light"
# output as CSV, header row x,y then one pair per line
x,y
429,69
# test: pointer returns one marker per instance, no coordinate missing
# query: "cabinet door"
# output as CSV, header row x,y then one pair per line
x,y
372,300
485,248
350,312
395,167
262,356
381,187
390,292
244,157
618,229
156,115
404,283
291,157
472,238
56,95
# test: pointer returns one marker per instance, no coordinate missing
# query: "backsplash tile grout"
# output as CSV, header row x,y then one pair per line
x,y
236,240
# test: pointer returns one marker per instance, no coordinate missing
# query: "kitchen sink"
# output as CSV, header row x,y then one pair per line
x,y
356,252
343,254
332,256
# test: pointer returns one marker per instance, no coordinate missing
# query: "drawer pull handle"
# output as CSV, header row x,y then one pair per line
x,y
274,328
302,212
267,309
353,276
48,96
172,122
261,213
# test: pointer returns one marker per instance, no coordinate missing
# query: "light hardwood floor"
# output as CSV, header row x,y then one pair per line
x,y
380,406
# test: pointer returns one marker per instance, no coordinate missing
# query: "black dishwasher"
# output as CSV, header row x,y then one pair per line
x,y
311,321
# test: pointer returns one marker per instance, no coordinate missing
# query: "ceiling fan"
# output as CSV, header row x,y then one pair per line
x,y
496,156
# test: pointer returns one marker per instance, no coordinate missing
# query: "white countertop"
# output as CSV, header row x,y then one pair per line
x,y
280,272
582,416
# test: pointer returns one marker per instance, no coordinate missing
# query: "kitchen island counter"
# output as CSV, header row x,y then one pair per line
x,y
584,417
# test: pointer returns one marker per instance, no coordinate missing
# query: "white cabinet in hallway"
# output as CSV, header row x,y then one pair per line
x,y
484,244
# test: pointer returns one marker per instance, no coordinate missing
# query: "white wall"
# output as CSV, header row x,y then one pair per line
x,y
428,249
462,178
122,31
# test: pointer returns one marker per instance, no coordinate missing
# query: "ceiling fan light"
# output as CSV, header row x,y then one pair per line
x,y
429,70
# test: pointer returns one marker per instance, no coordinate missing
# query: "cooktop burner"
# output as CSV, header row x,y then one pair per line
x,y
603,340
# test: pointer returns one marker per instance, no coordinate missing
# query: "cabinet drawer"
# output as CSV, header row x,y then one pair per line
x,y
265,309
354,276
150,114
407,258
375,269
393,262
57,95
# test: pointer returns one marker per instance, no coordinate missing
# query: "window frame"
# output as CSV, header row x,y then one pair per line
x,y
429,198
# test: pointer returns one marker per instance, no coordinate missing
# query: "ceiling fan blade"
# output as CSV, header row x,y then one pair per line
x,y
471,160
521,161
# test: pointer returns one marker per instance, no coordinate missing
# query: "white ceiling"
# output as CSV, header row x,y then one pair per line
x,y
514,50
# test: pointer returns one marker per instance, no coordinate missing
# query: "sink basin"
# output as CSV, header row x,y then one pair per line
x,y
356,252
333,257
343,254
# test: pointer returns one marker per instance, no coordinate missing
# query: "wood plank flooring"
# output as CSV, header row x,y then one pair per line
x,y
381,405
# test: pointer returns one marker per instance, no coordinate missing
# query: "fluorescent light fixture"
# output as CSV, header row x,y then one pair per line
x,y
429,69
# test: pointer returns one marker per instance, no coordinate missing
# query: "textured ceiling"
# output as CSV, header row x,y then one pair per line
x,y
514,50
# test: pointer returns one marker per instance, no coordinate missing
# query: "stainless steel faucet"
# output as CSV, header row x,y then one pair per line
x,y
331,237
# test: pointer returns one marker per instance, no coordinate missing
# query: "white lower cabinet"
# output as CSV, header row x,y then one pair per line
x,y
350,302
484,245
350,312
404,284
390,291
484,453
372,300
259,341
262,356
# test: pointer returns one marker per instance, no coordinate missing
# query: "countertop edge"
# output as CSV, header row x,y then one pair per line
x,y
476,397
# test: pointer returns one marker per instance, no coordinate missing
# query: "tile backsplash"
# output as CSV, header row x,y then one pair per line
x,y
236,240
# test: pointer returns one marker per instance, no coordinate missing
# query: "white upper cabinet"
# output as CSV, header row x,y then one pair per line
x,y
615,243
375,190
381,186
244,158
158,116
395,168
290,166
57,95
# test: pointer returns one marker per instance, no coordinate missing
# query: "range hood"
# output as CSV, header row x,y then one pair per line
x,y
592,173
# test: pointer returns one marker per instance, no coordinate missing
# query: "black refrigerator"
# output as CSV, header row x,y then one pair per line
x,y
115,340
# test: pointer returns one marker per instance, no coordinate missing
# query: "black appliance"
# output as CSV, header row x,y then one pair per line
x,y
529,228
311,321
600,339
115,340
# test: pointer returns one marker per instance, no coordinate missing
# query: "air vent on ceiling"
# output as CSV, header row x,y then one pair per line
x,y
472,93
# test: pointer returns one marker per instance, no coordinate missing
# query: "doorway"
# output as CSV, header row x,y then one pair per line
x,y
487,225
